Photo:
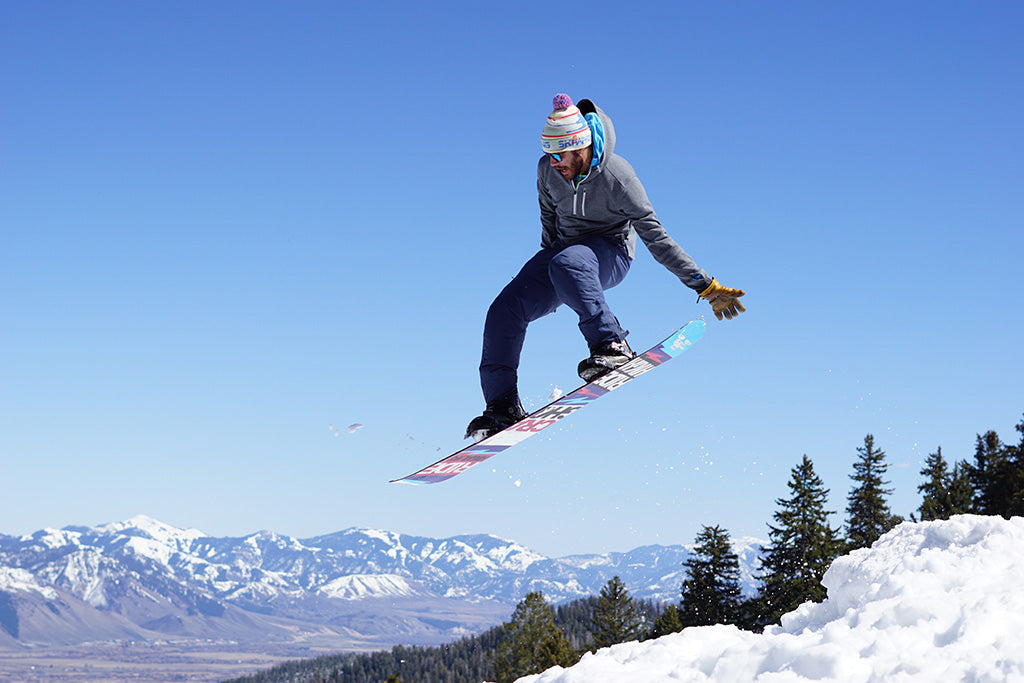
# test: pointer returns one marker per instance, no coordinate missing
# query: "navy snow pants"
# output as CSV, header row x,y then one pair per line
x,y
575,276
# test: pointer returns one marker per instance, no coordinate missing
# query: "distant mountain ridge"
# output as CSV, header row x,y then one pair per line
x,y
142,579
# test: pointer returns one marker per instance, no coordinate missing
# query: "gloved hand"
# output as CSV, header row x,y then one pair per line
x,y
724,300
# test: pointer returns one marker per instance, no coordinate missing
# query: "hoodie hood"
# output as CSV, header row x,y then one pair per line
x,y
588,107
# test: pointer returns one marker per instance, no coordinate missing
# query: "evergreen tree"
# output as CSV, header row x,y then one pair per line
x,y
935,489
667,622
990,475
868,512
711,591
1015,462
576,620
750,614
468,660
801,547
944,493
532,643
961,492
616,618
997,475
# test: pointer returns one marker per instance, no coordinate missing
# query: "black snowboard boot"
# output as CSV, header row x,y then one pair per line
x,y
603,357
500,413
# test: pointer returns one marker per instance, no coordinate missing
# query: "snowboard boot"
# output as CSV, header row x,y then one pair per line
x,y
604,356
500,413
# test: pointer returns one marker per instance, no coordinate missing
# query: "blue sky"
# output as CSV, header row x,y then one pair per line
x,y
229,226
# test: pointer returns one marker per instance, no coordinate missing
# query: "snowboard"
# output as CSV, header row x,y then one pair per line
x,y
560,408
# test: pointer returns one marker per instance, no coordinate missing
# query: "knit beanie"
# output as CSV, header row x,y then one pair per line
x,y
565,128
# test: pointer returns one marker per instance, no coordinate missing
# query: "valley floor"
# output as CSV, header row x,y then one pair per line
x,y
119,662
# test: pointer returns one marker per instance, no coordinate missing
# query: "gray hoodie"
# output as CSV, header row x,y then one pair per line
x,y
609,202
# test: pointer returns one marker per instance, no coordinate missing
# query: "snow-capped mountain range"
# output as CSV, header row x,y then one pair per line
x,y
143,579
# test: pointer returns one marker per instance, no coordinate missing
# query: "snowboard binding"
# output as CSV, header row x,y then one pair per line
x,y
498,415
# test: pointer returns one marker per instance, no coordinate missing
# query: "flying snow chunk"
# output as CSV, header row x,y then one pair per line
x,y
354,427
556,394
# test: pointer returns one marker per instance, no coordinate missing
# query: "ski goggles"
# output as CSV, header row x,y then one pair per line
x,y
556,157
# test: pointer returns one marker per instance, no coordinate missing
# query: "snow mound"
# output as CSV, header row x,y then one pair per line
x,y
932,601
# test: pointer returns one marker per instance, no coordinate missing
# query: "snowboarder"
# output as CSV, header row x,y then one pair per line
x,y
592,207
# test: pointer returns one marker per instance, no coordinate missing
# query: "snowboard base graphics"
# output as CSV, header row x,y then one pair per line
x,y
456,463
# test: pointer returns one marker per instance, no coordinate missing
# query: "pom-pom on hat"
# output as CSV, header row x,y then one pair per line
x,y
565,128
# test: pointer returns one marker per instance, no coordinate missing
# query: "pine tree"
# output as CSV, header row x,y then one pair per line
x,y
667,622
961,491
868,512
532,643
1015,462
801,548
935,489
992,476
711,591
617,617
945,493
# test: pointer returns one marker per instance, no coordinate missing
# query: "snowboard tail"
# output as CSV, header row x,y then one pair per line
x,y
559,409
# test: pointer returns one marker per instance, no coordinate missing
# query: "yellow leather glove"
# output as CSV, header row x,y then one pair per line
x,y
724,300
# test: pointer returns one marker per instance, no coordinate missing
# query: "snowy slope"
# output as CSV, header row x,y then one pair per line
x,y
935,601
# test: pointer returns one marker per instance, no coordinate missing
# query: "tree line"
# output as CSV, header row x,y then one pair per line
x,y
802,545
